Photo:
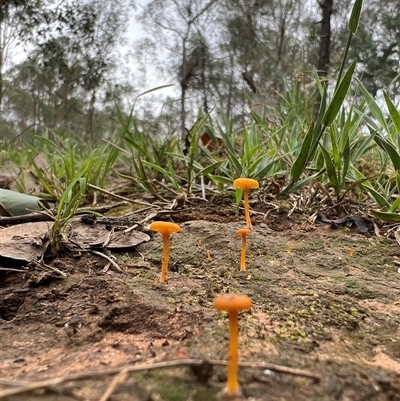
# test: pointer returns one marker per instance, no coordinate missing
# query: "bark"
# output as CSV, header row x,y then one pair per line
x,y
183,87
1,55
324,46
90,114
325,38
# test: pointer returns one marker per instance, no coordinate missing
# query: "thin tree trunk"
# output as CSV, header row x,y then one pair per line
x,y
89,117
325,38
229,101
324,47
1,56
281,40
183,89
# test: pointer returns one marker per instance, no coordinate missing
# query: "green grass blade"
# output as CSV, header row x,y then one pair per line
x,y
300,163
346,160
153,90
395,205
373,106
385,216
376,196
355,16
300,184
390,150
394,114
330,170
220,179
209,169
339,96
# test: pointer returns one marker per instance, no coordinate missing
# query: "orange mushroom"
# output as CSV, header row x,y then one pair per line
x,y
243,232
246,184
165,229
232,303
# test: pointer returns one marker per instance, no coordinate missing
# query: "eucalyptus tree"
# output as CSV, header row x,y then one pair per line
x,y
19,20
183,29
377,46
72,64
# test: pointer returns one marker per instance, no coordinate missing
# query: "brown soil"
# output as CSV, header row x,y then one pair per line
x,y
324,300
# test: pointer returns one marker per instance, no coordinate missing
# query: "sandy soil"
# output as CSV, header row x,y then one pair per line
x,y
325,301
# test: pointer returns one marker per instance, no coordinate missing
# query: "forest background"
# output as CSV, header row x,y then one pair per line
x,y
227,57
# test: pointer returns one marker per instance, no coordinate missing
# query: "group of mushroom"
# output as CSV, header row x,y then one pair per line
x,y
229,302
245,184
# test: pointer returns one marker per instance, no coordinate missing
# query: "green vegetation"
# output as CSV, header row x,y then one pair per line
x,y
349,149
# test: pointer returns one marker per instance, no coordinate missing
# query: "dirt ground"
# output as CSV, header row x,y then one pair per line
x,y
324,300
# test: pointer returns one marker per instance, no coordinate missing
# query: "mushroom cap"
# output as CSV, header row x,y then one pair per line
x,y
243,231
245,183
232,302
164,227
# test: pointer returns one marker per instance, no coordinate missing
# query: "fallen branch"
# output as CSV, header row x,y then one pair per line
x,y
25,388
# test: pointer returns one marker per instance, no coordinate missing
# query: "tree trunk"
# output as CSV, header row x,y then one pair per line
x,y
325,38
1,57
89,117
324,47
183,89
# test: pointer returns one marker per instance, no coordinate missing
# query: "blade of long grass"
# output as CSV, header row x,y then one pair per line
x,y
346,161
376,196
331,171
352,27
300,184
355,16
394,114
339,96
220,179
300,163
390,150
259,174
209,169
373,106
333,133
154,89
385,216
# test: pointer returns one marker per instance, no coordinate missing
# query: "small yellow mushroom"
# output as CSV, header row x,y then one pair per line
x,y
246,184
243,232
165,229
232,303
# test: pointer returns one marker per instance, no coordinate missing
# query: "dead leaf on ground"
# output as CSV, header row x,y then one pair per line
x,y
26,241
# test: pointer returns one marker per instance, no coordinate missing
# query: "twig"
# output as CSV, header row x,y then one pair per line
x,y
108,258
119,378
166,187
150,216
108,239
42,265
203,189
273,368
39,216
158,365
141,222
116,146
27,218
118,196
7,269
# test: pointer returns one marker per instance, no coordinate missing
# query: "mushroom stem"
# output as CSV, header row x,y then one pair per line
x,y
165,257
243,255
232,385
232,303
246,207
